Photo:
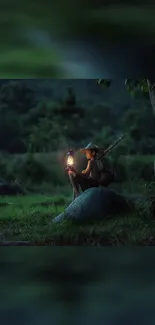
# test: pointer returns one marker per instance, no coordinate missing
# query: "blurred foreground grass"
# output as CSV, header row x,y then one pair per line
x,y
72,285
29,218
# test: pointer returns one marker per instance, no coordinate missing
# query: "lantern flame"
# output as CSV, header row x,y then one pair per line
x,y
70,161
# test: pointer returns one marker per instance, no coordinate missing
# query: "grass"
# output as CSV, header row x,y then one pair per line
x,y
29,218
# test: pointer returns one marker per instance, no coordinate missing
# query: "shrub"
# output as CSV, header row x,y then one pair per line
x,y
135,168
140,169
32,170
5,172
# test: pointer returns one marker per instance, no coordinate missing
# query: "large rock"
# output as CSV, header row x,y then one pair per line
x,y
94,204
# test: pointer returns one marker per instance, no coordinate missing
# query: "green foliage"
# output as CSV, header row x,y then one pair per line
x,y
45,136
48,124
10,131
105,82
136,87
37,171
3,170
6,171
133,86
140,127
17,97
43,126
32,170
105,137
134,168
137,122
139,169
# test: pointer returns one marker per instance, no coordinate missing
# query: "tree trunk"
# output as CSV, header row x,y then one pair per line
x,y
151,87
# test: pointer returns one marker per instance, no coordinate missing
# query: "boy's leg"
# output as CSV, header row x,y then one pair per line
x,y
85,182
74,185
74,195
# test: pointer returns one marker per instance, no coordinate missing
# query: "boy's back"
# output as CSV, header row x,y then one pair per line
x,y
99,173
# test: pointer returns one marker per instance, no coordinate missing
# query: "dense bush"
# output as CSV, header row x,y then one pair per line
x,y
3,170
134,168
32,170
140,169
6,173
36,169
121,171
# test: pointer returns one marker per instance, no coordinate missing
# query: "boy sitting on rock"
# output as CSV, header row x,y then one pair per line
x,y
94,175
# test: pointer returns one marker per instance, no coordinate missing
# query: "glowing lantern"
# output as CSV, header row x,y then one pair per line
x,y
70,159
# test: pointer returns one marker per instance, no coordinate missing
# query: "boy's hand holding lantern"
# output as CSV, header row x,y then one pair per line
x,y
70,160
